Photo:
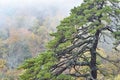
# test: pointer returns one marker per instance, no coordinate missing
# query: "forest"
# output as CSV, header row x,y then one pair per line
x,y
74,42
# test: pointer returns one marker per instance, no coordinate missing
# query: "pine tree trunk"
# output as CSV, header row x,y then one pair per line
x,y
93,65
93,56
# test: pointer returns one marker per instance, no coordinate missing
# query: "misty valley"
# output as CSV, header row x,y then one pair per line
x,y
60,40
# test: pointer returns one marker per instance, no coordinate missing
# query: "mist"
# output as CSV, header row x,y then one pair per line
x,y
12,10
25,27
18,18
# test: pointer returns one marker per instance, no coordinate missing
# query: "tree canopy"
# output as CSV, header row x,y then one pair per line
x,y
73,51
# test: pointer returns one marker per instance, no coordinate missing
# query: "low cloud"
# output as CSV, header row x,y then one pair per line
x,y
10,9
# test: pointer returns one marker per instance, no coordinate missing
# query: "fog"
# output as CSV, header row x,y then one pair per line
x,y
25,12
17,19
11,9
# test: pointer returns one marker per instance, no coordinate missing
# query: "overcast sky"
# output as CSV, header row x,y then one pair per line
x,y
36,2
10,6
13,8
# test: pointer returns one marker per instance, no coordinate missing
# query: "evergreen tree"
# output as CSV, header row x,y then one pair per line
x,y
73,51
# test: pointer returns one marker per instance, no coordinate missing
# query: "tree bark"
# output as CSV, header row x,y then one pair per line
x,y
93,56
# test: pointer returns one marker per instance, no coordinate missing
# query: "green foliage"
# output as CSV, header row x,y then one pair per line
x,y
88,15
38,68
117,35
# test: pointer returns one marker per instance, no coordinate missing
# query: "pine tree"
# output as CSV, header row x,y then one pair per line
x,y
73,51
